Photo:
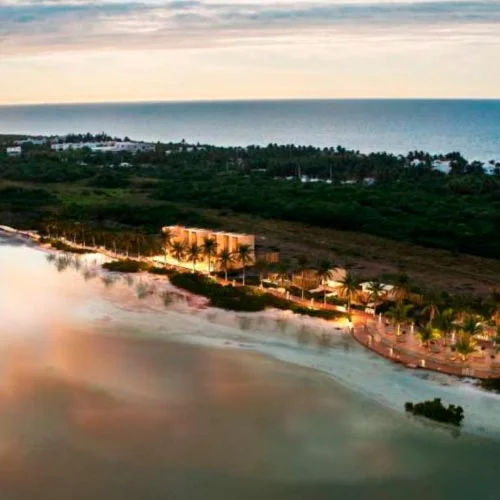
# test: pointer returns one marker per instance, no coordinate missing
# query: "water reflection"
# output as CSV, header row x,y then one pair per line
x,y
108,280
93,406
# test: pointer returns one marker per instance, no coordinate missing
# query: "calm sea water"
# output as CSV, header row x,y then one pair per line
x,y
398,126
104,396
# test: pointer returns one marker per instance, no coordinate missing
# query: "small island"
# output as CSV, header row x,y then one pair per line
x,y
435,410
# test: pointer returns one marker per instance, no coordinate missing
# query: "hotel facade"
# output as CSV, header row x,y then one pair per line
x,y
224,241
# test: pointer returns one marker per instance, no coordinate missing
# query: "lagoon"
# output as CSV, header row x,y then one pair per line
x,y
106,392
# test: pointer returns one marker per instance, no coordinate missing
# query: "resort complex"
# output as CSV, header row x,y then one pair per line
x,y
398,320
188,247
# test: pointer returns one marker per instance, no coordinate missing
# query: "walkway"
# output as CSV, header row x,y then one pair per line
x,y
407,349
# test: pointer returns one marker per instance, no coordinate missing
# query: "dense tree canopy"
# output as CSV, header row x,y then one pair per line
x,y
376,193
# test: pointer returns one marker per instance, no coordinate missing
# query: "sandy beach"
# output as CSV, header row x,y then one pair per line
x,y
135,305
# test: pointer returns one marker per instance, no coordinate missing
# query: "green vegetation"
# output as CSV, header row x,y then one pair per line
x,y
162,271
491,384
435,410
458,212
14,197
126,266
64,247
240,298
85,198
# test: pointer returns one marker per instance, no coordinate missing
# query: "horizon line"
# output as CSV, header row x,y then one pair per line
x,y
245,100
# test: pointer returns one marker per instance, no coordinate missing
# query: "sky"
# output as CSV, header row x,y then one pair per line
x,y
131,50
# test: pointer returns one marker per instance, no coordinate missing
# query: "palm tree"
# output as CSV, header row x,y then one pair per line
x,y
209,250
94,234
302,263
495,306
462,304
115,237
496,339
426,333
283,271
433,301
167,241
225,260
139,240
402,287
245,257
349,288
83,236
465,345
376,292
194,253
471,325
178,251
446,322
399,314
262,267
127,241
324,273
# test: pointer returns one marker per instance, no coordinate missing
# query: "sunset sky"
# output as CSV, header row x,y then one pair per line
x,y
120,50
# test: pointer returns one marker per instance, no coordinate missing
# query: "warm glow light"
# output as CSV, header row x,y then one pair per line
x,y
118,50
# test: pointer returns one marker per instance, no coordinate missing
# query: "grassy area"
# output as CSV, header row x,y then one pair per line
x,y
133,207
126,266
64,247
369,256
241,298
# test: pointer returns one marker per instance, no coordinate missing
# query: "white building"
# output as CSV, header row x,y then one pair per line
x,y
106,147
14,151
337,276
32,140
365,287
443,166
416,163
490,169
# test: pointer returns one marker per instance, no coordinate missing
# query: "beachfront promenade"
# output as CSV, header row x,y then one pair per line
x,y
407,349
378,335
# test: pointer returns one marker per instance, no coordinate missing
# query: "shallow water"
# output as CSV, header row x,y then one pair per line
x,y
107,395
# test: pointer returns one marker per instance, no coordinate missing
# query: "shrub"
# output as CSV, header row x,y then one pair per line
x,y
491,384
435,410
159,270
64,247
126,266
240,298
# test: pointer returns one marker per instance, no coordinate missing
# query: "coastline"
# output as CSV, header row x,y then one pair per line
x,y
372,340
293,339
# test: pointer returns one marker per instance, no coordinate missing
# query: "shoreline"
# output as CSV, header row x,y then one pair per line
x,y
410,360
275,334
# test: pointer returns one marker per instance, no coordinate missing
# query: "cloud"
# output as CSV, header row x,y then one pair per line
x,y
28,26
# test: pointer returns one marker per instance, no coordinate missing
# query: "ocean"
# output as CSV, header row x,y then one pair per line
x,y
471,127
109,394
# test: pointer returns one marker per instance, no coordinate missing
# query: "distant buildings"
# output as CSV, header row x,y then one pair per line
x,y
224,241
443,166
32,140
446,166
105,147
14,151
